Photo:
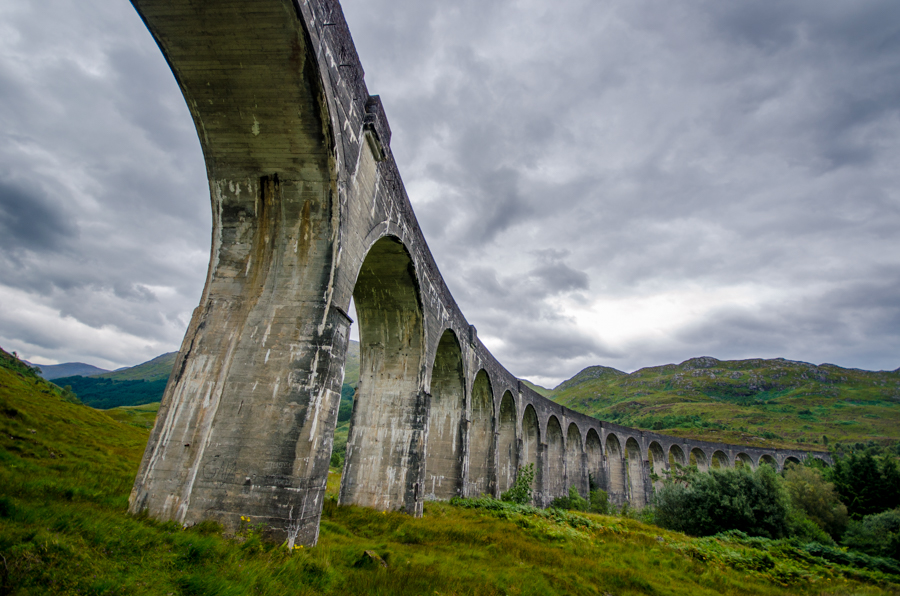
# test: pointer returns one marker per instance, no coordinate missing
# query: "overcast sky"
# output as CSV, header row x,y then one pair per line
x,y
622,183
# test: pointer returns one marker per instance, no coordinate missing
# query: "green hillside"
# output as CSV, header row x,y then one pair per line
x,y
772,403
537,388
157,369
351,364
66,471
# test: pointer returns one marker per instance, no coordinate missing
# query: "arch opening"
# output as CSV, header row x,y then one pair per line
x,y
676,456
615,466
507,457
593,450
635,473
555,485
481,437
575,475
791,460
531,443
742,459
444,445
767,460
699,459
383,458
720,460
658,464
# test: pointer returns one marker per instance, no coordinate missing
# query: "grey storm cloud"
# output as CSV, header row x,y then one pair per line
x,y
618,183
29,219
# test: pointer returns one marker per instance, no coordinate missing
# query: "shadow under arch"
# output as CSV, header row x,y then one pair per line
x,y
531,445
383,463
676,456
507,456
767,460
615,465
481,438
575,475
593,451
699,459
444,445
658,463
555,481
791,460
635,473
720,460
742,459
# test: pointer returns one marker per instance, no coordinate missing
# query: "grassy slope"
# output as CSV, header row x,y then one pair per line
x,y
157,369
64,530
537,388
351,364
774,403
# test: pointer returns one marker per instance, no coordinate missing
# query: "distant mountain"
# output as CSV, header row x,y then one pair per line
x,y
770,403
67,369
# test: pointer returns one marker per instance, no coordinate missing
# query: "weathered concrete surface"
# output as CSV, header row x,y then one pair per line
x,y
308,211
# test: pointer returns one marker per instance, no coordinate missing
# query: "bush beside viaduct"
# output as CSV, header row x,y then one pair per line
x,y
309,210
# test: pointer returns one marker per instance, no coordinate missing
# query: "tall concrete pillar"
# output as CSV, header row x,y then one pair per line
x,y
245,426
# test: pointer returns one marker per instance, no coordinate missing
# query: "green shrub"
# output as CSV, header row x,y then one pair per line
x,y
599,501
573,502
702,504
877,535
521,492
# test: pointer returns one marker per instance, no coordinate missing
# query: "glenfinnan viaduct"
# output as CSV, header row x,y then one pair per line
x,y
309,210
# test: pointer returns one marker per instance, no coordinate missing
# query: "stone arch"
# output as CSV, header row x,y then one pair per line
x,y
720,460
481,437
699,459
742,459
575,475
444,445
615,465
593,450
531,444
676,456
635,473
507,457
791,460
767,459
658,463
381,470
555,481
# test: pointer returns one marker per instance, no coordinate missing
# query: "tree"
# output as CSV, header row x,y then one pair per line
x,y
866,484
816,497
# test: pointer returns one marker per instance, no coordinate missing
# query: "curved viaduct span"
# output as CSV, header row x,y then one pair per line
x,y
309,210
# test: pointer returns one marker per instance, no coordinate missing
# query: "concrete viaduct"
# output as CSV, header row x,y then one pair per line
x,y
308,210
